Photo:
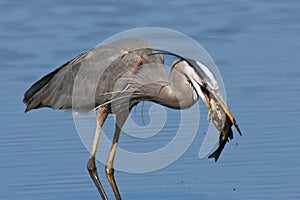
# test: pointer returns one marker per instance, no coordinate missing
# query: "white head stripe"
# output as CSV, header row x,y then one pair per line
x,y
209,74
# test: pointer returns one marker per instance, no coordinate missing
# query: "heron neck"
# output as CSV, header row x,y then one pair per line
x,y
175,96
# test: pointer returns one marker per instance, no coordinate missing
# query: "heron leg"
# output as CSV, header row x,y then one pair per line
x,y
120,120
91,166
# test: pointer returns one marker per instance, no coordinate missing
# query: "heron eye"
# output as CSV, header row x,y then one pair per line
x,y
203,83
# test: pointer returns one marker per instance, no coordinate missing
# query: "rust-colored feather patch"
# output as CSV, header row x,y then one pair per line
x,y
139,60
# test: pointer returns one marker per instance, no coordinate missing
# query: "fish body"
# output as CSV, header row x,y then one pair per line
x,y
225,135
222,122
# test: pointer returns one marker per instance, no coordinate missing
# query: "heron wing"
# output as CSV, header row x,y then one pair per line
x,y
76,82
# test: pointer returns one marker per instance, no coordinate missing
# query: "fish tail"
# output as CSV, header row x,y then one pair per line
x,y
216,154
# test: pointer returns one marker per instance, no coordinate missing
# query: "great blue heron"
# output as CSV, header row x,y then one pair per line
x,y
120,75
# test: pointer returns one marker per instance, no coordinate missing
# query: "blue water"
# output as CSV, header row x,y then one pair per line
x,y
256,45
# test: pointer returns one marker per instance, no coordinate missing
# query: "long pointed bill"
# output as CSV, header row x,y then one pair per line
x,y
206,101
227,111
203,93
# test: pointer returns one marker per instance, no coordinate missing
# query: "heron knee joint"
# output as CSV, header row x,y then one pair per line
x,y
109,170
91,166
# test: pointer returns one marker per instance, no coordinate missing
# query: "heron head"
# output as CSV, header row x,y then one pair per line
x,y
204,83
199,77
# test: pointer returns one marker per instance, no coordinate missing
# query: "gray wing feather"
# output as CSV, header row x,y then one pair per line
x,y
80,82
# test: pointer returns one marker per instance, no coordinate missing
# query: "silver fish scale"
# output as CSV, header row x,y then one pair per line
x,y
217,115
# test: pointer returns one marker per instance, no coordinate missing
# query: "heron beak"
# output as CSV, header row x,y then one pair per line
x,y
205,95
226,110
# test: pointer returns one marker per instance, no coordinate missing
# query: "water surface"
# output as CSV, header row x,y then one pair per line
x,y
256,47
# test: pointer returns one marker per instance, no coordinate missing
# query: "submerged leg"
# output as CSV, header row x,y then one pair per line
x,y
120,120
91,166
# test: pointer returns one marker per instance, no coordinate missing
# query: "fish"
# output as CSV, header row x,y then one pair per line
x,y
223,120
